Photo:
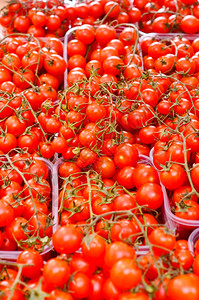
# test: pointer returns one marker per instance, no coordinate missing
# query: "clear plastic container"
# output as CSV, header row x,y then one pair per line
x,y
182,227
140,250
194,236
65,2
151,153
167,36
70,35
53,180
4,38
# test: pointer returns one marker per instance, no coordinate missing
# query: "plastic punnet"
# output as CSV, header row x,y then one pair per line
x,y
65,2
70,35
140,250
53,180
167,36
194,236
182,227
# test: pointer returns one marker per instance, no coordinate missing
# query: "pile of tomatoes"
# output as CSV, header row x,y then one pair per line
x,y
115,113
166,16
26,203
53,18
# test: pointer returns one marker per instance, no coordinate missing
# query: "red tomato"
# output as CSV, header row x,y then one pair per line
x,y
95,248
56,273
183,286
188,210
174,178
104,166
116,251
67,239
150,195
6,213
125,274
33,258
144,174
80,286
160,238
55,64
125,155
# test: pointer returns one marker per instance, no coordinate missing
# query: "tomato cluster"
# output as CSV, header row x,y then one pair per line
x,y
176,149
167,56
36,18
101,270
91,12
168,16
30,75
26,204
110,50
86,196
116,113
55,17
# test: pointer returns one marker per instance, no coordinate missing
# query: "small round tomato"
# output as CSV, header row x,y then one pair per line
x,y
6,213
15,126
190,24
163,242
85,34
144,174
8,142
55,64
76,47
183,287
80,286
126,155
174,178
53,22
125,202
95,112
68,168
105,33
33,258
184,259
187,209
23,78
56,273
125,274
81,264
150,195
125,177
113,65
124,230
67,239
94,248
28,141
39,19
116,251
22,23
59,144
12,61
105,166
14,230
184,193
